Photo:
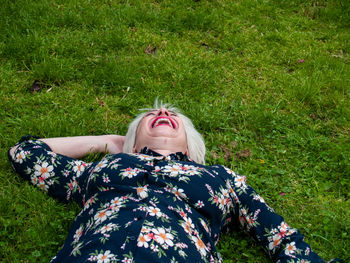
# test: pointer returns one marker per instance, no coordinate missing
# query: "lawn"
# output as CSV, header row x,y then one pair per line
x,y
266,82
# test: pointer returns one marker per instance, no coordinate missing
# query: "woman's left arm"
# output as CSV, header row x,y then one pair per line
x,y
283,243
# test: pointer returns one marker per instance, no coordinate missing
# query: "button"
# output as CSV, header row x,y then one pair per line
x,y
132,238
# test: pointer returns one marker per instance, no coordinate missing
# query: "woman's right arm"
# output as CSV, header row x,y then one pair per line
x,y
80,146
52,164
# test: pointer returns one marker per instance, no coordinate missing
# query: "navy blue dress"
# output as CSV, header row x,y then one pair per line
x,y
147,207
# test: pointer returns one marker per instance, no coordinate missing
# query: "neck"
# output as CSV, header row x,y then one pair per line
x,y
163,147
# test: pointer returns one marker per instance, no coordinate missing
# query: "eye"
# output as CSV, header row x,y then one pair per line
x,y
150,114
173,114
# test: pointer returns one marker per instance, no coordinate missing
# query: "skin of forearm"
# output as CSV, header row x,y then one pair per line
x,y
77,146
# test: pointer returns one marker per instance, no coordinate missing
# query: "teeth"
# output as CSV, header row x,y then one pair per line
x,y
163,120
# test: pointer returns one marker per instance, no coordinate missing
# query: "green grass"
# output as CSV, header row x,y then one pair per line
x,y
262,80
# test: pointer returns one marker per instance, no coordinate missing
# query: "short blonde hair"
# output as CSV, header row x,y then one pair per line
x,y
195,141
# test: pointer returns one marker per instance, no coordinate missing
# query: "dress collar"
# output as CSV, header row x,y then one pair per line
x,y
178,156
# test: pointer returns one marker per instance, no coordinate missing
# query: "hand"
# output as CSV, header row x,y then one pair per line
x,y
113,144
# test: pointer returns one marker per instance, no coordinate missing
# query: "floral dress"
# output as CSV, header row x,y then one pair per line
x,y
147,207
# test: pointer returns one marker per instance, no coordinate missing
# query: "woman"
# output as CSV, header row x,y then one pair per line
x,y
152,199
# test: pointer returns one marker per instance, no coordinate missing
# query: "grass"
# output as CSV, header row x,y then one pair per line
x,y
266,82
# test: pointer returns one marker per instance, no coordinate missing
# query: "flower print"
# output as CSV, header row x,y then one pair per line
x,y
92,258
117,201
179,193
154,248
89,202
143,240
187,225
106,179
229,171
20,157
163,237
65,173
206,227
307,251
199,204
181,245
200,245
154,211
173,170
105,258
100,165
142,191
240,181
102,216
79,167
78,234
44,170
258,198
290,249
130,172
144,157
127,260
275,240
107,228
43,186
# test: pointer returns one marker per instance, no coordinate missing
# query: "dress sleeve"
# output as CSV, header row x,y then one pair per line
x,y
60,176
282,243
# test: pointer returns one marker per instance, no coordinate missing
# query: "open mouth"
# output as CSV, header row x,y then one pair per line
x,y
163,121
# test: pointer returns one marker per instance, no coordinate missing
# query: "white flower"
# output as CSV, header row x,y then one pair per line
x,y
127,260
154,211
102,216
130,173
178,192
79,167
43,170
142,240
100,165
290,249
240,181
107,228
142,191
173,170
154,248
187,225
78,234
105,258
20,157
200,245
199,204
276,240
106,179
163,237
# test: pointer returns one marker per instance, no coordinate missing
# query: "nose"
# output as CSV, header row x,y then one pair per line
x,y
163,112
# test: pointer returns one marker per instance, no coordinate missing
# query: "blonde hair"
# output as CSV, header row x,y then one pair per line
x,y
195,141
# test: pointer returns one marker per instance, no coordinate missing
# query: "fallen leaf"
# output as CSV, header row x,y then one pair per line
x,y
36,86
151,50
244,154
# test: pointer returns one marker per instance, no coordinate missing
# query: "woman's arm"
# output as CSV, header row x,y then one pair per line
x,y
80,146
283,243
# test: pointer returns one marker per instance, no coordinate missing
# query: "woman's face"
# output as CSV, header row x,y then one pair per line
x,y
161,126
